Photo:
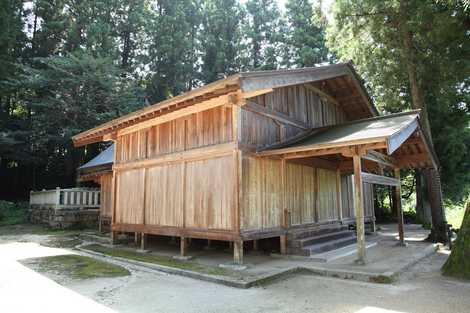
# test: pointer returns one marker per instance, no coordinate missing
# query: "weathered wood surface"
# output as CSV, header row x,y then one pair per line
x,y
293,107
195,194
195,176
201,129
106,183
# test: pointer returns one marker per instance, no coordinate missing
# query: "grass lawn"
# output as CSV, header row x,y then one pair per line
x,y
77,266
35,229
157,259
455,215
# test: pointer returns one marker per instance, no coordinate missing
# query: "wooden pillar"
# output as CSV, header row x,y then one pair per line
x,y
338,194
136,238
183,246
143,242
238,252
100,227
114,236
283,243
359,210
255,245
397,200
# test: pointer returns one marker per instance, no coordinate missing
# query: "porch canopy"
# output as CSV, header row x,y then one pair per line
x,y
97,166
367,148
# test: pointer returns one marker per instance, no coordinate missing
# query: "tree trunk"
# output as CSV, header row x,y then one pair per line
x,y
423,207
417,95
458,263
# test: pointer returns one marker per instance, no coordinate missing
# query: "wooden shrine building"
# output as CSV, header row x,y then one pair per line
x,y
258,155
100,171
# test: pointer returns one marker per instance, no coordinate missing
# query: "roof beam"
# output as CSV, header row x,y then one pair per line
x,y
283,118
380,158
203,106
379,180
322,94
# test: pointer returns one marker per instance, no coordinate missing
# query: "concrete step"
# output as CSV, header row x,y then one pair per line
x,y
317,239
339,253
330,245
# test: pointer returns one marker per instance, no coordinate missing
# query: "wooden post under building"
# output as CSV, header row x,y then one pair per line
x,y
397,201
238,252
361,241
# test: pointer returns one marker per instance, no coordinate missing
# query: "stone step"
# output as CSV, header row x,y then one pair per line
x,y
329,245
317,239
300,234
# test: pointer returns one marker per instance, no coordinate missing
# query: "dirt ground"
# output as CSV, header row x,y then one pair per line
x,y
420,289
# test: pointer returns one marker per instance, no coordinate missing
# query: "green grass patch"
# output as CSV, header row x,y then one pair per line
x,y
36,229
62,242
12,213
158,259
454,214
78,267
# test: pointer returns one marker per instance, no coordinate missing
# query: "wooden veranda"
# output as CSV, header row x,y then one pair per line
x,y
373,150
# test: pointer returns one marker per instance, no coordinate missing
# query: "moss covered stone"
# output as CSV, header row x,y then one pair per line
x,y
458,263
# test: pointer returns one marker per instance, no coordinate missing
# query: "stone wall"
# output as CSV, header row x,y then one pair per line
x,y
64,218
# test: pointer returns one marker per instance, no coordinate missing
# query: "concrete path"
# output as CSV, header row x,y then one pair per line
x,y
23,290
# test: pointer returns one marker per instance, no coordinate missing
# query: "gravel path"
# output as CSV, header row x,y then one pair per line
x,y
421,289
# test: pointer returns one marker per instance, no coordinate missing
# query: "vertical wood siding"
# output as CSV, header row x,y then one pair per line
x,y
296,102
200,129
303,105
106,182
210,193
300,193
261,189
194,194
309,192
164,195
130,196
348,200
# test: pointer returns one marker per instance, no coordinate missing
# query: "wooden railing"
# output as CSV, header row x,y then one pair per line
x,y
86,198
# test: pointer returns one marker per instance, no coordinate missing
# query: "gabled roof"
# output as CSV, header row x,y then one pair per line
x,y
104,158
387,132
338,80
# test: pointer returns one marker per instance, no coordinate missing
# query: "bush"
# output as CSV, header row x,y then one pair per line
x,y
12,213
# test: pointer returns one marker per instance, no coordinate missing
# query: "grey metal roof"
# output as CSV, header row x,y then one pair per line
x,y
383,127
105,157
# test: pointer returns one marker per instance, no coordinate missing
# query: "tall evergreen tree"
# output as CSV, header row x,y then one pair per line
x,y
305,35
262,32
221,39
414,52
172,52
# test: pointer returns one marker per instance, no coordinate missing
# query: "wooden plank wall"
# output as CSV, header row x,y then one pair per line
x,y
106,181
200,129
348,201
197,193
310,194
261,190
296,102
194,194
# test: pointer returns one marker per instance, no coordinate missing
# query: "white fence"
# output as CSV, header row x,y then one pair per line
x,y
66,198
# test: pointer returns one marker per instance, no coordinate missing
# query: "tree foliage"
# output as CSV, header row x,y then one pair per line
x,y
371,34
68,65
